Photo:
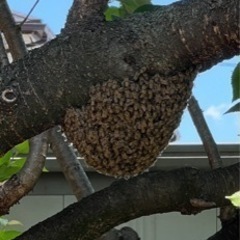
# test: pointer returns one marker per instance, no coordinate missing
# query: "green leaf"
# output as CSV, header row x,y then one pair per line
x,y
3,175
22,148
122,12
6,158
45,169
131,5
235,108
112,13
236,82
6,171
235,199
145,8
9,235
17,164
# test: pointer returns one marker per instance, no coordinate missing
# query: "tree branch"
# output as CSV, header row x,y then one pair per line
x,y
126,200
11,31
204,133
163,42
20,184
70,166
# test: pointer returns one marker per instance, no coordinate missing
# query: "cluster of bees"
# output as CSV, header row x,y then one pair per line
x,y
126,124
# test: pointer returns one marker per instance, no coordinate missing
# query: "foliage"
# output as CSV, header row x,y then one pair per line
x,y
235,80
128,7
235,199
11,162
5,233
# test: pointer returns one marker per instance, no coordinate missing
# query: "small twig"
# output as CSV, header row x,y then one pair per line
x,y
204,133
26,18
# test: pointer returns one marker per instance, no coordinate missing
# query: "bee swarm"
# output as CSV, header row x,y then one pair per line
x,y
125,125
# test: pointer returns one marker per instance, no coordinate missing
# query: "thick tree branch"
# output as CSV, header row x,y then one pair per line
x,y
126,200
167,42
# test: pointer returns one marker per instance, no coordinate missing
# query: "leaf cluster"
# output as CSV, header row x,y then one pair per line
x,y
12,161
128,7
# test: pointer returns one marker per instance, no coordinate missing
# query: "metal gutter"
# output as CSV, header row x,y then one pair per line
x,y
175,156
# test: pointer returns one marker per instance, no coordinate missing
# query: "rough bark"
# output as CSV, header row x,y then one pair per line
x,y
126,200
82,10
71,167
23,182
187,34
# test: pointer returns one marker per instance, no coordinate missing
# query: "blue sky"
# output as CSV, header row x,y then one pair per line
x,y
212,88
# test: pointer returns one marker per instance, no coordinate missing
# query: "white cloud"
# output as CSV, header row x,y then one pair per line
x,y
216,112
